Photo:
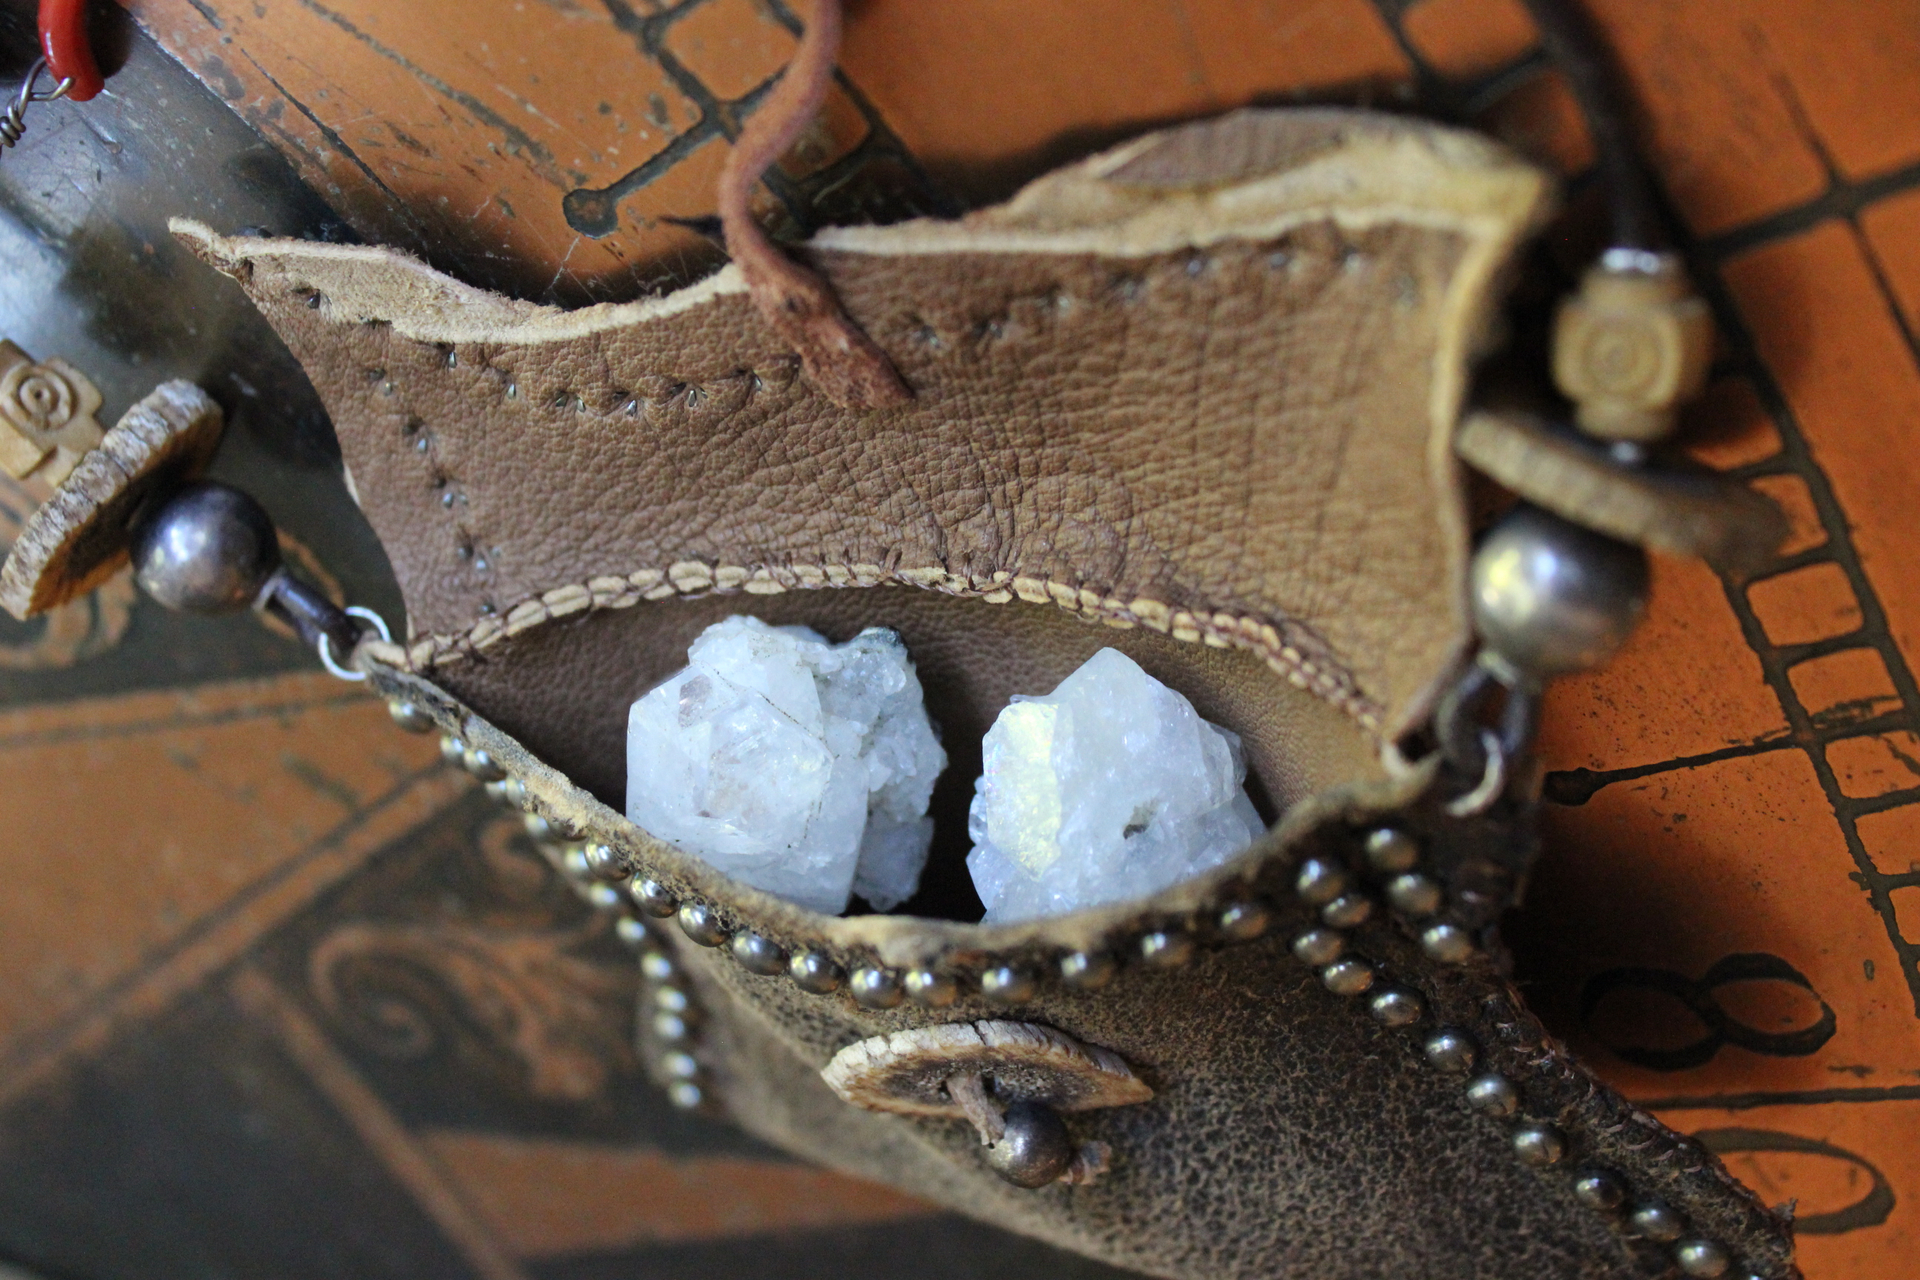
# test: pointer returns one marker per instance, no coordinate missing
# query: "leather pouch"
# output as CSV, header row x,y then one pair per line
x,y
1194,399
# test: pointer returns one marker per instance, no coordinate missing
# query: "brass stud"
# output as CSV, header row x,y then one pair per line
x,y
1656,1221
1494,1094
1538,1145
1349,977
1599,1190
1243,921
1396,1007
1319,882
1166,948
1347,911
1319,947
876,988
1414,894
653,898
1087,970
482,765
1701,1258
701,924
1007,984
409,715
1390,852
1451,1051
1447,943
758,955
604,862
814,972
930,989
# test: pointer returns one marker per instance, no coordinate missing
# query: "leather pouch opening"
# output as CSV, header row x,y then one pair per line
x,y
971,656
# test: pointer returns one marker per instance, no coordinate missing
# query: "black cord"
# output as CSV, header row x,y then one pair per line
x,y
1583,56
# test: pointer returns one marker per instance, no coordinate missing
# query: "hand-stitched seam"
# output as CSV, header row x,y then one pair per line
x,y
1285,654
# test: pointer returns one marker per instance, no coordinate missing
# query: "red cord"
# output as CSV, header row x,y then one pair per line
x,y
63,38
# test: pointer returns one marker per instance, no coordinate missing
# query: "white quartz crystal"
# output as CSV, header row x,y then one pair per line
x,y
1111,787
801,767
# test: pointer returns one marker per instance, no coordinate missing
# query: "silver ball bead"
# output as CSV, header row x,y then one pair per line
x,y
1551,598
1036,1148
759,955
207,549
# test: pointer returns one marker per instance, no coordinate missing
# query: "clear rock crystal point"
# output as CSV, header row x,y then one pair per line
x,y
800,767
1110,788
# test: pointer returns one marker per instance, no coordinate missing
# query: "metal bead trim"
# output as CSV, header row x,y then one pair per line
x,y
1243,921
1006,984
1396,1007
1451,1051
876,988
672,1024
1349,977
1087,970
1599,1190
603,897
482,765
1166,949
1701,1258
1318,947
1494,1094
931,990
1447,943
604,862
1414,894
409,716
1319,882
508,793
758,955
1348,911
700,924
1390,852
1656,1221
815,972
653,898
1539,1145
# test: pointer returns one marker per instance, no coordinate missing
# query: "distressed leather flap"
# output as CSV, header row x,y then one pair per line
x,y
1204,383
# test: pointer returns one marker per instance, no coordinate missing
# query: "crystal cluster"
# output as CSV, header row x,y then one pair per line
x,y
800,767
1110,788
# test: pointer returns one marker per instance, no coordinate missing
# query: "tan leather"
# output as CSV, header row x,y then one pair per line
x,y
1291,1136
1233,399
1202,388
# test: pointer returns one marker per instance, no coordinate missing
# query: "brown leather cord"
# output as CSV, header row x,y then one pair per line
x,y
796,303
1584,58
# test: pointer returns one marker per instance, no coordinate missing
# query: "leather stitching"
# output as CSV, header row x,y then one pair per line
x,y
1297,655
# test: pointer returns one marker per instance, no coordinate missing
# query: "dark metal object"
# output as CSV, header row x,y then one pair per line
x,y
1551,598
1036,1148
207,549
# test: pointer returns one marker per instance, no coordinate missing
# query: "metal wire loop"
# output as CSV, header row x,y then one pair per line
x,y
1492,782
325,646
13,121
